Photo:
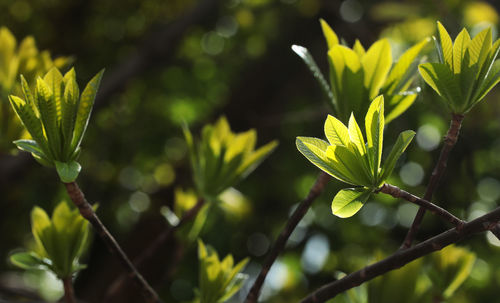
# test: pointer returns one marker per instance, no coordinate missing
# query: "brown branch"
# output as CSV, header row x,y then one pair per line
x,y
69,293
449,142
279,245
396,192
496,231
147,253
403,257
88,213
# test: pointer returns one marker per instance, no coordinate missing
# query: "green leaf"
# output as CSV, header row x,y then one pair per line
x,y
349,201
442,80
336,132
84,108
54,80
401,72
479,47
330,36
359,49
445,45
399,147
69,109
459,48
402,104
31,147
28,260
48,114
374,124
29,119
304,54
346,161
488,83
68,172
376,65
254,159
315,151
41,228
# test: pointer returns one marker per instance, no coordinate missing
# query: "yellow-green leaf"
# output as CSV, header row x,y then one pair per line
x,y
336,132
459,48
374,124
330,36
376,64
446,45
84,108
349,201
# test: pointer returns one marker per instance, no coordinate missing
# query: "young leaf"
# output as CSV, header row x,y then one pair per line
x,y
85,107
479,47
374,124
27,260
31,147
336,132
376,65
315,151
349,201
330,36
459,48
68,172
446,45
401,72
399,147
348,164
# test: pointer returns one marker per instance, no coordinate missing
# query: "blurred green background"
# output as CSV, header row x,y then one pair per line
x,y
185,60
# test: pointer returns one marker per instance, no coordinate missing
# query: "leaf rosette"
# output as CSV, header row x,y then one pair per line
x,y
59,241
223,157
357,75
467,69
349,158
56,116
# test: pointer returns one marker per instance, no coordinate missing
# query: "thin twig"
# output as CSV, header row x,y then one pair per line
x,y
88,213
449,141
279,245
147,253
403,257
397,192
69,293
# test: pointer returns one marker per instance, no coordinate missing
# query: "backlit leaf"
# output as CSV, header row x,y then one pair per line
x,y
330,36
349,201
376,64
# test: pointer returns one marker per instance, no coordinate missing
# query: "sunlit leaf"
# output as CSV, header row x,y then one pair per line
x,y
349,201
376,65
399,147
330,36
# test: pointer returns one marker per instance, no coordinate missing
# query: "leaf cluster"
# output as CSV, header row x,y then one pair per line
x,y
417,282
59,241
16,59
357,75
467,69
219,280
56,116
223,158
349,158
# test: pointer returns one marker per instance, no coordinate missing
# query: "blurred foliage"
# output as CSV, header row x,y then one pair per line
x,y
223,158
59,241
219,279
26,60
235,60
